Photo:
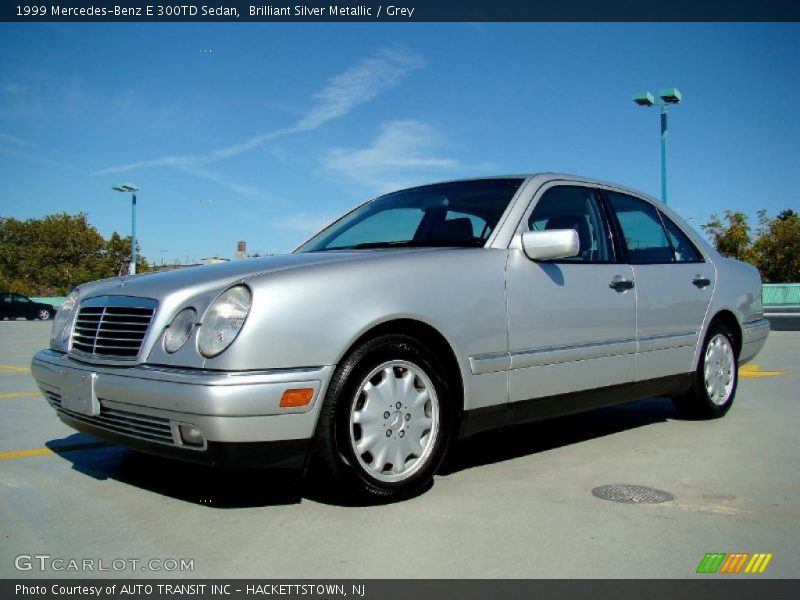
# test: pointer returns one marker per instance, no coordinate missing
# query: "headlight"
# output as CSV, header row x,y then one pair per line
x,y
223,320
179,330
64,316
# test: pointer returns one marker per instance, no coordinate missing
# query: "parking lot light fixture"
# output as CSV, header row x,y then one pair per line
x,y
666,97
644,99
131,189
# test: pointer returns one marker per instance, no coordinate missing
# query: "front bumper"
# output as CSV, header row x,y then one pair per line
x,y
238,413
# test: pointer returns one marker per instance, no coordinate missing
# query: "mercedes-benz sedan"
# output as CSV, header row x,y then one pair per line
x,y
419,317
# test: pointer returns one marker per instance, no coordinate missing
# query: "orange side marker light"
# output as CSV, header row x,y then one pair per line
x,y
296,397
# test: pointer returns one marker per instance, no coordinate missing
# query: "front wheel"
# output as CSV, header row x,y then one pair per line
x,y
715,379
385,421
44,314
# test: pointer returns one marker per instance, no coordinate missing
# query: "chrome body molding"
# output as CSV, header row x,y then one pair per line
x,y
548,356
754,336
665,341
756,329
488,363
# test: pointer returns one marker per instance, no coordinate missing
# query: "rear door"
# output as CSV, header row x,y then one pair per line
x,y
673,286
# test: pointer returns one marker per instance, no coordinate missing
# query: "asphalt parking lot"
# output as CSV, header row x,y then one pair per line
x,y
516,503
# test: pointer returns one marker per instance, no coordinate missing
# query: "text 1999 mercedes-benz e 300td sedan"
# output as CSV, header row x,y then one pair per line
x,y
419,317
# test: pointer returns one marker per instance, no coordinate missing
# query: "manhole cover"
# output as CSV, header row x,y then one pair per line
x,y
631,494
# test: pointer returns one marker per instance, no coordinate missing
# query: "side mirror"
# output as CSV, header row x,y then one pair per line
x,y
550,243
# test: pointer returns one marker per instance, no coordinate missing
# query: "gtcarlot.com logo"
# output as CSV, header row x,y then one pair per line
x,y
734,563
46,562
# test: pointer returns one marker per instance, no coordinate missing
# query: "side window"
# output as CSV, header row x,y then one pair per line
x,y
685,250
574,207
642,229
20,298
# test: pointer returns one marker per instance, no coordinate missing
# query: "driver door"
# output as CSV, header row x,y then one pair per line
x,y
572,321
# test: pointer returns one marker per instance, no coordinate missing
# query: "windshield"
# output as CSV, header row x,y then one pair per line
x,y
461,213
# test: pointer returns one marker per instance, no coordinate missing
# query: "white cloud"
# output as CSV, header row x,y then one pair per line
x,y
403,152
33,157
18,148
12,88
4,137
243,189
304,222
360,83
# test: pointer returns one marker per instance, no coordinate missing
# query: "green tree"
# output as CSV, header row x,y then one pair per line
x,y
47,256
732,238
117,254
776,252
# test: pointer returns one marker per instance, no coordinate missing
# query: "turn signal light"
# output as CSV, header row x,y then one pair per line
x,y
298,397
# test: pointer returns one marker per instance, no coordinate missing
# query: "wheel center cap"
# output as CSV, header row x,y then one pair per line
x,y
398,422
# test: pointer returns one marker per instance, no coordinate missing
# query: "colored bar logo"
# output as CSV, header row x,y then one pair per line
x,y
733,563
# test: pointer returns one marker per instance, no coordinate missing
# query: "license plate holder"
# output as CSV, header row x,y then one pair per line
x,y
78,392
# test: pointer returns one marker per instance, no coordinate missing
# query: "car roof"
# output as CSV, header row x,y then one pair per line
x,y
543,176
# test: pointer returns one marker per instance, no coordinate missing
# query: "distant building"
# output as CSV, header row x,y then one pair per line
x,y
241,249
174,266
213,260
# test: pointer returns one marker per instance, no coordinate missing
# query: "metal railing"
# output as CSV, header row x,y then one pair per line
x,y
781,294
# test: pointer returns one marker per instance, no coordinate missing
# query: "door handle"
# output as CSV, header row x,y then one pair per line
x,y
701,282
620,285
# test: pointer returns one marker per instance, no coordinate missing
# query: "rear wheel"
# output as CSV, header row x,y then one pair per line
x,y
716,378
385,421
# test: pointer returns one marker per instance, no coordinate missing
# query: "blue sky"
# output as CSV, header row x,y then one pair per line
x,y
262,132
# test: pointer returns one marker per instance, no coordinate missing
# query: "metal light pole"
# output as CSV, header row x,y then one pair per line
x,y
666,97
131,189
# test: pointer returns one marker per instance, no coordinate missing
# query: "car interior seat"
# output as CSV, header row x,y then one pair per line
x,y
579,224
455,230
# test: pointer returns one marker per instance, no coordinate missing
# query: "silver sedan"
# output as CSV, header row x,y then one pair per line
x,y
419,317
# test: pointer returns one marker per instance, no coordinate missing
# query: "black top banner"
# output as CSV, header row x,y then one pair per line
x,y
405,11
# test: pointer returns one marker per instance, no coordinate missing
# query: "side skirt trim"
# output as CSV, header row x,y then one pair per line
x,y
491,417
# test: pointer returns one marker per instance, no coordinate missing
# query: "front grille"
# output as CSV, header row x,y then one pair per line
x,y
112,327
143,427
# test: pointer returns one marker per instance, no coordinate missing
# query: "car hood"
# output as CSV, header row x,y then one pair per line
x,y
205,277
209,278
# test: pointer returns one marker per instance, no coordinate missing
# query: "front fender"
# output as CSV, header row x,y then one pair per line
x,y
312,315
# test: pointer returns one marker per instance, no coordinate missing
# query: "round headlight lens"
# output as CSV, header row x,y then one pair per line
x,y
179,330
223,320
63,316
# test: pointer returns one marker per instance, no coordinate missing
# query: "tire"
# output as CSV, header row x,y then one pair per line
x,y
43,315
388,402
716,378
